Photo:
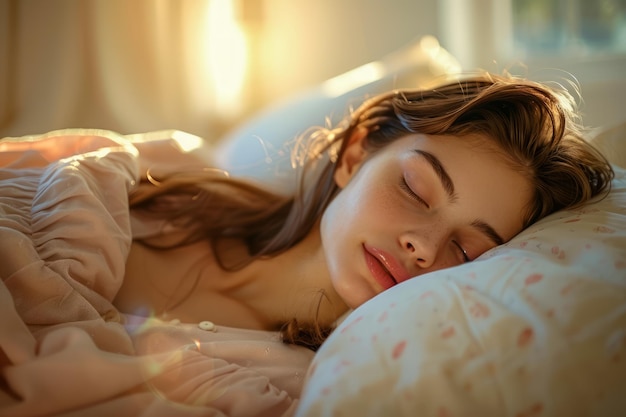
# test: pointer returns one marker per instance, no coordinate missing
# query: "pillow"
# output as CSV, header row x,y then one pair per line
x,y
260,149
534,327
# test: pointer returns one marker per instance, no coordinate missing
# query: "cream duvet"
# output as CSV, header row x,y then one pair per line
x,y
65,232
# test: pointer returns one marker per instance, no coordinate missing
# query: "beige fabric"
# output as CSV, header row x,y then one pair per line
x,y
65,350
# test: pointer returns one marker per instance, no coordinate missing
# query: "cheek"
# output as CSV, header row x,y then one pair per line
x,y
358,214
339,245
335,223
355,209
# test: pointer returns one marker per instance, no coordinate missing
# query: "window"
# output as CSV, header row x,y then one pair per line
x,y
481,32
569,27
546,40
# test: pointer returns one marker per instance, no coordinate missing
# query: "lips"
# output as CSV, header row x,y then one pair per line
x,y
384,268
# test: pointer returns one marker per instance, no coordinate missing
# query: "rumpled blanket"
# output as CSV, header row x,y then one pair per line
x,y
65,350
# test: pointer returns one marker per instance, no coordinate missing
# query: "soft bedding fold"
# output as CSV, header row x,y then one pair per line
x,y
65,233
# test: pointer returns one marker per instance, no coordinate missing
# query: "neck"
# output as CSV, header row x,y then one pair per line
x,y
293,284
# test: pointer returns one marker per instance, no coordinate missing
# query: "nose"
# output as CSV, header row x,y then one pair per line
x,y
421,248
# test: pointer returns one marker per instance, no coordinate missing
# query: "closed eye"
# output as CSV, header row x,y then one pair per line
x,y
404,185
462,251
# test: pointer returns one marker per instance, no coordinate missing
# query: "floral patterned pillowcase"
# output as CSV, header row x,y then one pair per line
x,y
534,327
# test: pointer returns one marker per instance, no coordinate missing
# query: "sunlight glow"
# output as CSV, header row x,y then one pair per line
x,y
353,79
226,56
186,141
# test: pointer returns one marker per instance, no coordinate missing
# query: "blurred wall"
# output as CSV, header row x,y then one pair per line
x,y
305,42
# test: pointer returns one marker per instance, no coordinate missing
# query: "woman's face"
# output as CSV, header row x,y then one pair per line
x,y
420,204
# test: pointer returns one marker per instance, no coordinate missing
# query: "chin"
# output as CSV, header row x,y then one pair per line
x,y
354,299
354,291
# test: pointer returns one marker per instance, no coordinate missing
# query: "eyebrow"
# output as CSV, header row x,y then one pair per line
x,y
489,231
441,172
448,186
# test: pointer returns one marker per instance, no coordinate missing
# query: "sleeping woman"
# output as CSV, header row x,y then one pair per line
x,y
411,182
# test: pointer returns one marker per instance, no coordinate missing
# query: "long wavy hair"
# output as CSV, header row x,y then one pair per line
x,y
535,125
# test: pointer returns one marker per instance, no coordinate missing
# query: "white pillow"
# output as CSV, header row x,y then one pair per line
x,y
535,327
260,149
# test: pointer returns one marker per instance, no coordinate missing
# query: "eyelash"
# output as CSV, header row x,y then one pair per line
x,y
407,189
462,251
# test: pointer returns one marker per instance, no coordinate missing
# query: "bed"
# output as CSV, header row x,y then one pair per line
x,y
536,327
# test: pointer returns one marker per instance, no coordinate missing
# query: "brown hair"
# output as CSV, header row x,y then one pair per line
x,y
534,125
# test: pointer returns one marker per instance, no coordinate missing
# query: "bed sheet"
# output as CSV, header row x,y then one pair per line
x,y
65,232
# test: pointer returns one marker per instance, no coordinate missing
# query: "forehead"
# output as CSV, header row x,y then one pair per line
x,y
486,184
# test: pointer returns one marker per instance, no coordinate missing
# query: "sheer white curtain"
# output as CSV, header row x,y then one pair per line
x,y
129,66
